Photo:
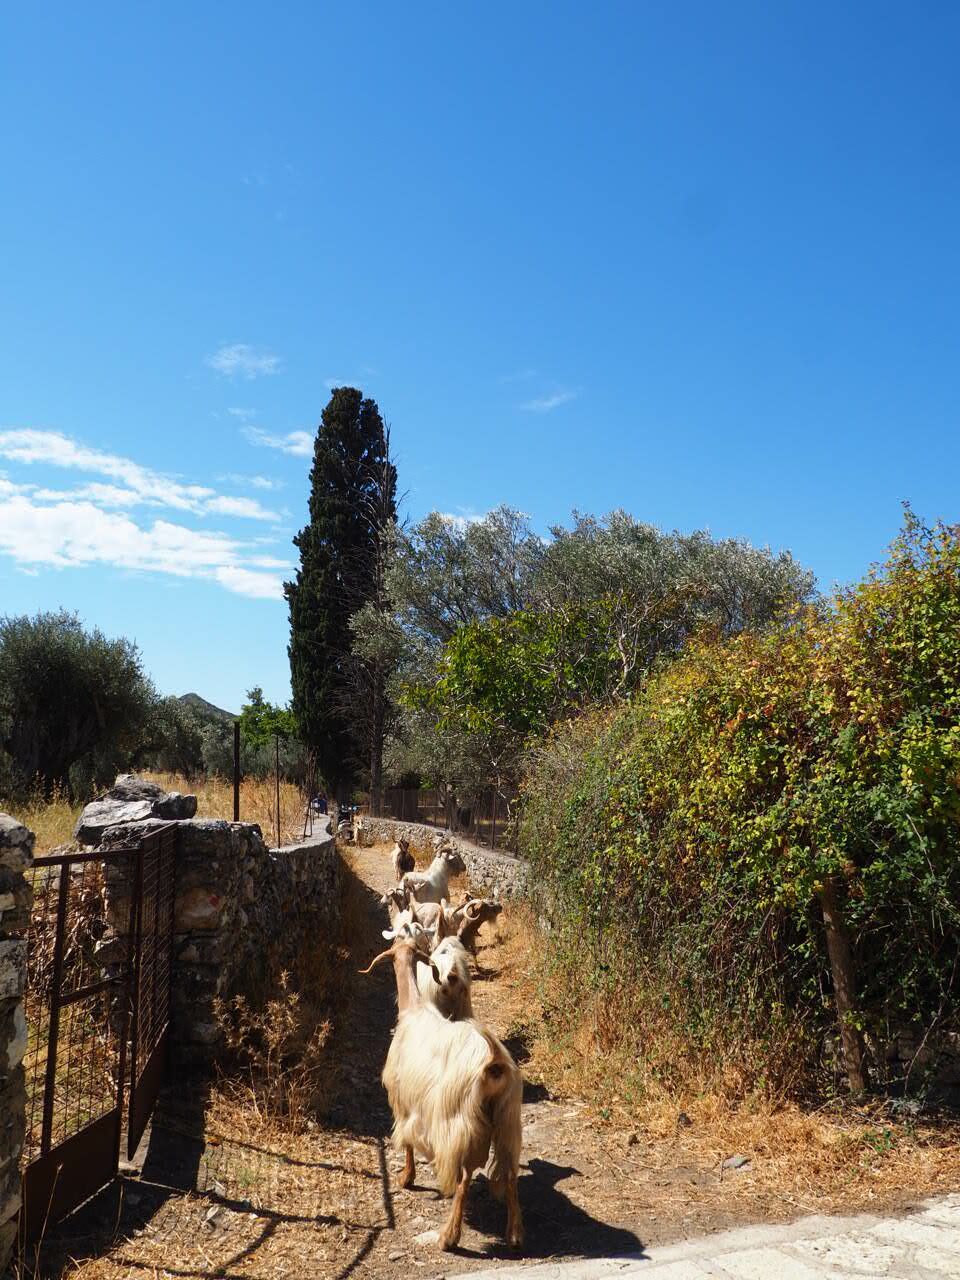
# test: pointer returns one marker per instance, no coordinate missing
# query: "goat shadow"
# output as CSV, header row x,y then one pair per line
x,y
555,1226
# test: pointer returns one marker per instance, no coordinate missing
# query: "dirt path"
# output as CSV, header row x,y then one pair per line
x,y
223,1193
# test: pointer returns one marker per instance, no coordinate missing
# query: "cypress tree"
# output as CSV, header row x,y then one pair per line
x,y
337,573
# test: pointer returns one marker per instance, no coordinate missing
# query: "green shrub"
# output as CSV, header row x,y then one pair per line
x,y
686,841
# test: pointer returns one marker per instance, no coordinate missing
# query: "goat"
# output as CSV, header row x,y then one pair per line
x,y
395,900
475,912
455,1094
434,883
402,858
403,906
444,979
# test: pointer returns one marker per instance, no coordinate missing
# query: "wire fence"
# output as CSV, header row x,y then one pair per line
x,y
486,820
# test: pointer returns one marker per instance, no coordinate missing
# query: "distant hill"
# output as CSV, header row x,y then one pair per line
x,y
205,708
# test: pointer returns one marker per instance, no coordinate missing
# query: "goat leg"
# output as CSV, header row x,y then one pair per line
x,y
450,1235
409,1168
514,1221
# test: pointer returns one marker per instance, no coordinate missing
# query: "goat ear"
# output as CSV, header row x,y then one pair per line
x,y
413,910
442,929
388,934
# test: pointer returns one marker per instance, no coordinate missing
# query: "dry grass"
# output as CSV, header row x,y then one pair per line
x,y
258,802
836,1158
53,819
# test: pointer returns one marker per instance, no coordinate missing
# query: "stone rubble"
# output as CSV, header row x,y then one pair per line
x,y
16,896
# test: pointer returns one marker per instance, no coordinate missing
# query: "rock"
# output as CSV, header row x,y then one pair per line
x,y
13,968
14,1039
395,1255
129,787
215,1217
198,908
427,1238
16,844
131,799
100,814
176,807
737,1162
683,1121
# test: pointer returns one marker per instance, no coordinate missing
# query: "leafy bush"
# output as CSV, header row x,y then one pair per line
x,y
73,703
691,841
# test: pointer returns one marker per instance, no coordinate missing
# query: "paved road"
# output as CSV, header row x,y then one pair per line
x,y
921,1246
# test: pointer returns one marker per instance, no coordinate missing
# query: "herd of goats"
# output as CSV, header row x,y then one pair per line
x,y
454,1090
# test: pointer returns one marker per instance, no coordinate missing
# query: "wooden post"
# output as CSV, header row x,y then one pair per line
x,y
277,740
844,974
236,770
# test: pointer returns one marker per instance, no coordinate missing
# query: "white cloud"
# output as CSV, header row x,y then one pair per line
x,y
247,508
74,534
255,482
462,520
543,404
28,445
299,444
240,360
247,582
138,485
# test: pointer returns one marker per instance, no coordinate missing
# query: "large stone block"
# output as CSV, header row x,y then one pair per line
x,y
131,800
197,908
13,967
13,1039
16,844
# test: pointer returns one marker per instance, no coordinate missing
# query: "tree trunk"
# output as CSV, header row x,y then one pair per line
x,y
844,987
377,721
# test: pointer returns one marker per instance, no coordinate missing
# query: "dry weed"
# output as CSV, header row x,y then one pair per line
x,y
276,1066
838,1157
258,802
51,818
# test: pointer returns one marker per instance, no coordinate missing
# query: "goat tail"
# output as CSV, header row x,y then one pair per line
x,y
507,1134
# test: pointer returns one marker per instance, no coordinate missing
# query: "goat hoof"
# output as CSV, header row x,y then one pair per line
x,y
448,1242
515,1239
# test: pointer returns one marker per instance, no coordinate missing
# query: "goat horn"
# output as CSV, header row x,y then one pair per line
x,y
384,955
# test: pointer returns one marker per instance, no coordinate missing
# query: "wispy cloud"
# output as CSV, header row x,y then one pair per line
x,y
297,443
544,404
255,482
78,534
240,360
460,520
245,508
94,523
131,484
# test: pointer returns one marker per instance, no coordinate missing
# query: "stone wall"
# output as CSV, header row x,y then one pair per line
x,y
16,895
242,912
494,874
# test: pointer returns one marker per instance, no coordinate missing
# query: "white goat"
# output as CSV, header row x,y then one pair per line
x,y
402,859
455,1093
434,883
444,979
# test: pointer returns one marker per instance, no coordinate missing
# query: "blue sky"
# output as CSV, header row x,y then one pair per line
x,y
696,260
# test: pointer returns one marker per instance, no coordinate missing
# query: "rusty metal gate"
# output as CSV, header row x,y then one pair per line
x,y
99,953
